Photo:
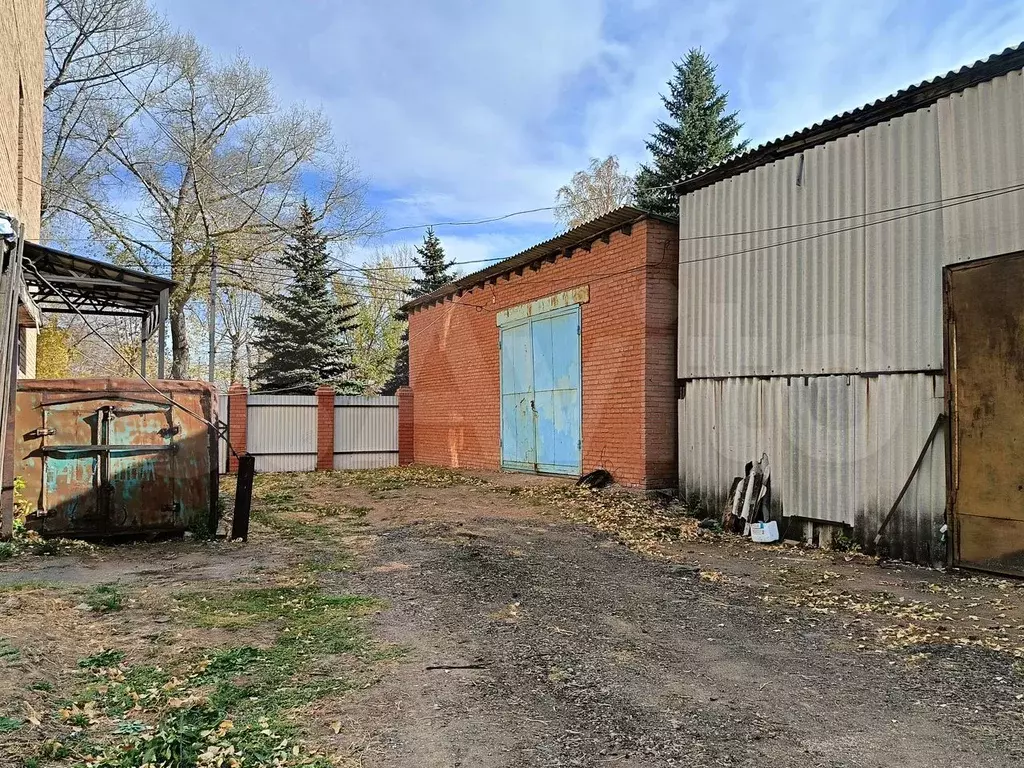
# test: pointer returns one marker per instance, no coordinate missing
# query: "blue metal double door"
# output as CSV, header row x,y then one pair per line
x,y
540,393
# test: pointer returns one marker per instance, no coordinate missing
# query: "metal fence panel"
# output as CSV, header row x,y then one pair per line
x,y
365,432
282,432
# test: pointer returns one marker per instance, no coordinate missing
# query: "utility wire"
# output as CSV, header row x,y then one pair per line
x,y
692,238
221,431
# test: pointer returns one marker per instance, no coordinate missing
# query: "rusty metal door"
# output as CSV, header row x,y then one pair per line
x,y
100,458
985,359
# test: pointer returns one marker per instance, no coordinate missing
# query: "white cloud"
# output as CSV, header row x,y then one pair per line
x,y
460,109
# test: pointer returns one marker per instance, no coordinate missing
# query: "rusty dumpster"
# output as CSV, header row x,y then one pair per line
x,y
111,457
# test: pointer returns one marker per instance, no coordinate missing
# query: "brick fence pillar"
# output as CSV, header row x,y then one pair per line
x,y
238,423
324,429
406,451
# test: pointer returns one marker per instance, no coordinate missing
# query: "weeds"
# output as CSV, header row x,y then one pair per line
x,y
103,659
843,542
7,651
8,724
105,598
230,707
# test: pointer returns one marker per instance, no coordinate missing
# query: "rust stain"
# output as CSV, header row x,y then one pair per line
x,y
103,457
987,373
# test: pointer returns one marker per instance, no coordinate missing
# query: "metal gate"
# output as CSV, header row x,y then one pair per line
x,y
540,393
985,343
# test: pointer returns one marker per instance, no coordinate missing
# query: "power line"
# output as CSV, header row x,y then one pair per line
x,y
221,432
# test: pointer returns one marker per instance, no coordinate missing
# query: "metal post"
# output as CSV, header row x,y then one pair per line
x,y
212,311
243,496
144,335
161,324
9,382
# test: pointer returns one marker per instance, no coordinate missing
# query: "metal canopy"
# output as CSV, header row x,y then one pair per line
x,y
92,287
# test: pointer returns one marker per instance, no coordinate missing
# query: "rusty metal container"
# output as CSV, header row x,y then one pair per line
x,y
111,457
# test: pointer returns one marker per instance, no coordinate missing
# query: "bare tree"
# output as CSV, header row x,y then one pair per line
x,y
219,169
593,192
241,300
93,48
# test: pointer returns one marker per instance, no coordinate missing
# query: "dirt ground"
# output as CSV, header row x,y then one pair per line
x,y
513,621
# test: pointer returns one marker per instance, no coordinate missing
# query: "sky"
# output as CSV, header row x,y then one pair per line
x,y
467,109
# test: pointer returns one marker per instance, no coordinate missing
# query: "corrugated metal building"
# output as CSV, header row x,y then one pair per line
x,y
811,302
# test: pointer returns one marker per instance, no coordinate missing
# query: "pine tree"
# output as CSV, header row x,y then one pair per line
x,y
698,134
303,339
435,272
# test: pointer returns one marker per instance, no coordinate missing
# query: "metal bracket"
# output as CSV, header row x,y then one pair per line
x,y
41,432
170,431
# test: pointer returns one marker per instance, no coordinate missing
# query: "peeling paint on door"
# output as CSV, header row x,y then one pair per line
x,y
541,393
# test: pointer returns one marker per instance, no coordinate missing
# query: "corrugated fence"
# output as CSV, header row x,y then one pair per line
x,y
282,432
365,432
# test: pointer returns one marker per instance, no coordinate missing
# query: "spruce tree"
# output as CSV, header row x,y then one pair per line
x,y
434,272
303,339
698,133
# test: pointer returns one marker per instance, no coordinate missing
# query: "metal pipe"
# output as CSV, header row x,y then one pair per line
x,y
212,312
144,335
161,320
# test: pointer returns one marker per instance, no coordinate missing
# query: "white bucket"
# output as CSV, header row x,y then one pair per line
x,y
764,533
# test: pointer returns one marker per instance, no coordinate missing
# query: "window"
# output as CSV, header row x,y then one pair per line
x,y
22,350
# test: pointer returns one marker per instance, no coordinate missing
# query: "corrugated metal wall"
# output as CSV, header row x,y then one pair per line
x,y
797,300
830,263
282,432
840,448
365,432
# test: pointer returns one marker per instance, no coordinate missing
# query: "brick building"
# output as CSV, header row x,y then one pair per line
x,y
22,24
560,359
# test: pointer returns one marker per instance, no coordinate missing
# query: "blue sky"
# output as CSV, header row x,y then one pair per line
x,y
461,109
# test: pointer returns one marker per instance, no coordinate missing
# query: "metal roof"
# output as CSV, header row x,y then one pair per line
x,y
92,287
909,99
582,235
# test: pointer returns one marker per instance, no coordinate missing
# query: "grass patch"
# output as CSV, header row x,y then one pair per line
x,y
286,521
105,598
40,685
7,550
23,586
328,562
303,609
105,658
8,724
377,481
8,652
232,706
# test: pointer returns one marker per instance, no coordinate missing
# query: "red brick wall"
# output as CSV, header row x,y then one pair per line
x,y
324,428
454,360
238,423
660,388
406,425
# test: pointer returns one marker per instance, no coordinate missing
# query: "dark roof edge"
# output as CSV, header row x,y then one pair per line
x,y
900,103
137,273
620,218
